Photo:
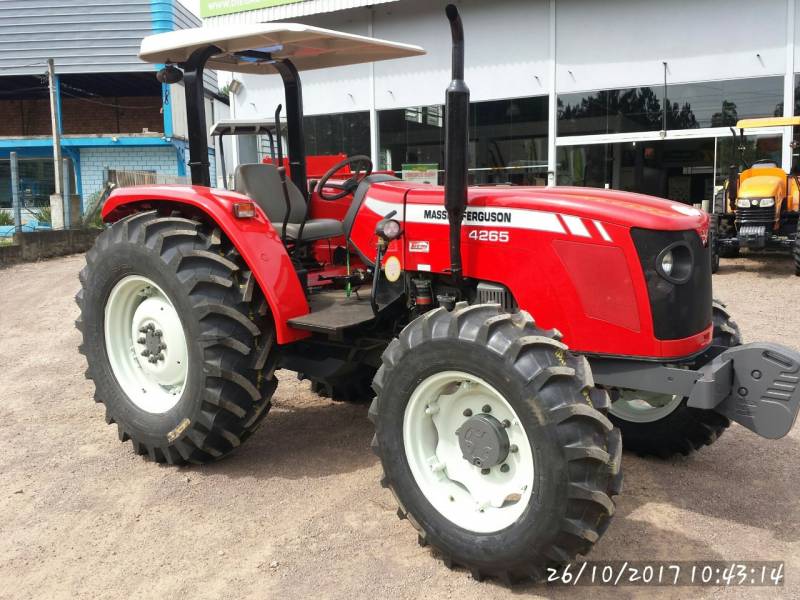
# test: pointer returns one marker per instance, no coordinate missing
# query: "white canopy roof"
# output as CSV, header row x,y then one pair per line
x,y
242,127
306,46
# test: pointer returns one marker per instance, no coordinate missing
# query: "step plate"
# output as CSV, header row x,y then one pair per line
x,y
333,312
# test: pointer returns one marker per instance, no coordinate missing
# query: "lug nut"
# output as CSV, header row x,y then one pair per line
x,y
486,408
143,330
505,468
506,423
145,352
485,471
160,357
141,341
158,333
467,412
513,448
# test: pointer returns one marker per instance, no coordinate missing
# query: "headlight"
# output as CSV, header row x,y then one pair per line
x,y
743,202
767,202
675,263
667,262
388,229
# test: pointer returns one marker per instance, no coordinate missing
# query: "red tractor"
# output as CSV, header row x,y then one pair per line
x,y
514,337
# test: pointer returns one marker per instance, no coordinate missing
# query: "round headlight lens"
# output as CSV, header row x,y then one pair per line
x,y
667,262
391,229
767,202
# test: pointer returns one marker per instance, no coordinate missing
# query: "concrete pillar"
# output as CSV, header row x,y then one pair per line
x,y
552,121
15,201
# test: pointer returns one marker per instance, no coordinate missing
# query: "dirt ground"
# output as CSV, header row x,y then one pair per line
x,y
298,512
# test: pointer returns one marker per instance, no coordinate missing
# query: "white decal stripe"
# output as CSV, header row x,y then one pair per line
x,y
484,216
517,218
602,230
576,226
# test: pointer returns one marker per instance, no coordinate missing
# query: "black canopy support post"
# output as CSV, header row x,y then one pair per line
x,y
279,134
294,122
221,139
456,143
665,101
196,114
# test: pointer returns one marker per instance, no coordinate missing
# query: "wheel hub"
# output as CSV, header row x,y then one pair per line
x,y
468,451
146,344
483,441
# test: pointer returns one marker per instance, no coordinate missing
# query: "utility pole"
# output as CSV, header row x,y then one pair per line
x,y
56,200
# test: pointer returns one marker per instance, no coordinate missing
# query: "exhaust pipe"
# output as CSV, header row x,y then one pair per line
x,y
456,143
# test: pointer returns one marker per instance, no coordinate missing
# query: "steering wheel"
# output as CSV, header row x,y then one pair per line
x,y
362,171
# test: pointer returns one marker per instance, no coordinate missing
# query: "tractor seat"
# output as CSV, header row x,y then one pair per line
x,y
262,183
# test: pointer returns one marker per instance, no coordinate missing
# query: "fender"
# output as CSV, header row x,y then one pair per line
x,y
255,239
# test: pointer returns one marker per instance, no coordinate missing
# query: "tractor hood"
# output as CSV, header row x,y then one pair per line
x,y
762,186
609,206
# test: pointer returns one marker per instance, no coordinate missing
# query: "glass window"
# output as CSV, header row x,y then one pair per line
x,y
682,170
508,140
690,106
36,182
346,133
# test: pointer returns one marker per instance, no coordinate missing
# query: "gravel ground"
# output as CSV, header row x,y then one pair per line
x,y
298,512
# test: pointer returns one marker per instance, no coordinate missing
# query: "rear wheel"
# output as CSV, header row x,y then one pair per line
x,y
796,256
664,425
494,442
177,338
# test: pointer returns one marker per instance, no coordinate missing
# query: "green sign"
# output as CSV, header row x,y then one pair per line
x,y
214,8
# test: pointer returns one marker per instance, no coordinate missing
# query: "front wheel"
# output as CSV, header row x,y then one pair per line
x,y
796,255
664,425
494,442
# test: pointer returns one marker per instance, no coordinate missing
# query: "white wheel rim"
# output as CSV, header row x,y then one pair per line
x,y
459,490
139,320
643,407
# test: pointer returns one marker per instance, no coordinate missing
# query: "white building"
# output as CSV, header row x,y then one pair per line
x,y
566,91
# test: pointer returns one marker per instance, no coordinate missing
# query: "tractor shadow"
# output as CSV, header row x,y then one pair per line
x,y
742,479
303,436
764,264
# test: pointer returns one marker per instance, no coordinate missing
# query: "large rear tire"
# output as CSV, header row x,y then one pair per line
x,y
663,425
796,255
177,337
539,496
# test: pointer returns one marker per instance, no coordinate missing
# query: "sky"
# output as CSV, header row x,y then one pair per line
x,y
193,5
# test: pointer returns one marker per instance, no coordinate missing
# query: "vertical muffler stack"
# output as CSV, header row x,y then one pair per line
x,y
456,143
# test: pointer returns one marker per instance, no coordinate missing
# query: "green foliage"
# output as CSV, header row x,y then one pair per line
x,y
92,218
6,218
43,215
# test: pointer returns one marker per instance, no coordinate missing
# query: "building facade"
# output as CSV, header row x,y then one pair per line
x,y
630,95
112,112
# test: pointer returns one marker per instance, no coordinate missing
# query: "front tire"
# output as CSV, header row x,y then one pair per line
x,y
177,338
510,517
662,425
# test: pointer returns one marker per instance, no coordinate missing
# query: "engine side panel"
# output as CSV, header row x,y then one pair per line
x,y
575,272
255,239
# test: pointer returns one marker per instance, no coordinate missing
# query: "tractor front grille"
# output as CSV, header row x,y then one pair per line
x,y
678,310
755,216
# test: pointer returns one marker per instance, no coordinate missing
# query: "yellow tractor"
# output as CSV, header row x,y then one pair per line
x,y
760,202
